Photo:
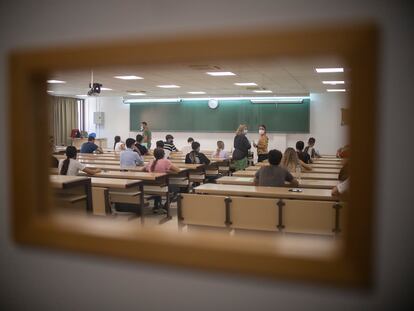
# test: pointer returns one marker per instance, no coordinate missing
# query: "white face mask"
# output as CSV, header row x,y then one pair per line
x,y
261,132
245,131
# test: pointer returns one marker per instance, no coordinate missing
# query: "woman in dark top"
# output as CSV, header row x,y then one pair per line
x,y
195,156
142,149
241,148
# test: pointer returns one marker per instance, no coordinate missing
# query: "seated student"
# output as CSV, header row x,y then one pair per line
x,y
188,148
169,143
310,148
343,152
341,188
160,165
71,167
195,156
160,145
139,146
90,146
274,175
118,144
303,156
220,152
129,158
291,161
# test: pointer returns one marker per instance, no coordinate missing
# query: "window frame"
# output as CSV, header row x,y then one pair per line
x,y
32,225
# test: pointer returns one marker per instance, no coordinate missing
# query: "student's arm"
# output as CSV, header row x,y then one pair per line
x,y
305,166
204,159
91,170
139,160
293,182
99,150
174,169
247,143
187,159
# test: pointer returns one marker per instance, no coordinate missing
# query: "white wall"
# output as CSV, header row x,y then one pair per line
x,y
325,125
41,279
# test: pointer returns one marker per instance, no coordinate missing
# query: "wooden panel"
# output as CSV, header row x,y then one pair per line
x,y
254,214
203,210
100,200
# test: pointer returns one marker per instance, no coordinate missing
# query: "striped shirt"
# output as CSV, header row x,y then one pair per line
x,y
169,147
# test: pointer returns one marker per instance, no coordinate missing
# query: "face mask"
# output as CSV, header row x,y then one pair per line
x,y
261,132
245,131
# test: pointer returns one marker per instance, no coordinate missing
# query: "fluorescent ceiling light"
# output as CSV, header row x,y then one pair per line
x,y
336,90
196,92
245,84
333,82
276,101
82,95
153,100
220,73
169,86
128,77
50,91
105,89
137,94
263,91
327,70
55,81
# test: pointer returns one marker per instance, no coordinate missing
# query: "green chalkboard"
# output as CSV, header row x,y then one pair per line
x,y
198,117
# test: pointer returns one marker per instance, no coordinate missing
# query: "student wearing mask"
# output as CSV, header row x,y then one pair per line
x,y
169,143
195,156
241,148
291,161
90,146
146,134
129,158
220,152
186,149
118,144
303,156
274,175
310,148
262,144
160,165
139,146
71,167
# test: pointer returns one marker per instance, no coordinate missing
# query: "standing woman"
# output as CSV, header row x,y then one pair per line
x,y
262,144
241,148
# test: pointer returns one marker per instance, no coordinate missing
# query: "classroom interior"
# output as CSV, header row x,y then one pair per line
x,y
294,98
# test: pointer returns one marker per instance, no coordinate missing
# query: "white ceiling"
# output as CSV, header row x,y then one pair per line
x,y
283,77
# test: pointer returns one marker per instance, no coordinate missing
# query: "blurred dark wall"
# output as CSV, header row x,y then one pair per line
x,y
37,279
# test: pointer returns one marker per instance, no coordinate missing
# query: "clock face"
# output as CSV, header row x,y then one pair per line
x,y
213,103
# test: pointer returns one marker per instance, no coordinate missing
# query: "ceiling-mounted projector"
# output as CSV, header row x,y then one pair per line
x,y
95,89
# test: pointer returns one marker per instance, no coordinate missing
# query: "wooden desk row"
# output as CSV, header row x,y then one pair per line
x,y
322,176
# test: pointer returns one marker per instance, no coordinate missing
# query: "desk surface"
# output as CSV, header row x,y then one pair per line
x,y
304,183
114,182
314,170
267,192
63,181
131,175
322,176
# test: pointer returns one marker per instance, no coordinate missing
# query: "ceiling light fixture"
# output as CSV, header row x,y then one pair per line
x,y
55,81
128,77
328,70
246,84
220,73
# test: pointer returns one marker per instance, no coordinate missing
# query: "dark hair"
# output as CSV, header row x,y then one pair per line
x,y
275,156
195,145
300,145
311,140
117,139
71,152
159,144
139,138
158,155
129,142
169,136
190,140
145,123
264,126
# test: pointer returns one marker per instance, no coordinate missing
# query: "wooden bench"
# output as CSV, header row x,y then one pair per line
x,y
321,176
